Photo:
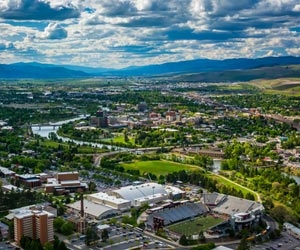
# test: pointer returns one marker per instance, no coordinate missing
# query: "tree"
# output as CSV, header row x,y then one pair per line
x,y
279,212
57,223
91,236
92,186
48,246
244,244
67,228
126,138
62,246
202,237
104,235
183,240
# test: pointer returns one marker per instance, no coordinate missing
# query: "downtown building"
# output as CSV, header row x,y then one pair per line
x,y
36,224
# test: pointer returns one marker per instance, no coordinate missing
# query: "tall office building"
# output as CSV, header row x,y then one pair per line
x,y
35,224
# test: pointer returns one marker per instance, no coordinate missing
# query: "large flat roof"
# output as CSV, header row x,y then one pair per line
x,y
134,192
27,212
69,172
91,208
105,196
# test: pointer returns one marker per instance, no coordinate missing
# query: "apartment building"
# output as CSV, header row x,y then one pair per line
x,y
36,224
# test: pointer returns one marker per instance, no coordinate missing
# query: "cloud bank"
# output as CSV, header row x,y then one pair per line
x,y
120,33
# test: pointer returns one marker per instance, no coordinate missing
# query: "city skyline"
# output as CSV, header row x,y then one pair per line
x,y
121,33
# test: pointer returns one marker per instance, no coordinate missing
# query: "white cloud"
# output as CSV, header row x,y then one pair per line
x,y
130,32
54,31
293,51
296,8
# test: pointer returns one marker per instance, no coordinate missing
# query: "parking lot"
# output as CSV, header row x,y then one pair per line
x,y
121,238
285,242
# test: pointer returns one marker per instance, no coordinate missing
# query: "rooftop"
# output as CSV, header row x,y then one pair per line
x,y
233,205
92,208
104,196
138,191
6,171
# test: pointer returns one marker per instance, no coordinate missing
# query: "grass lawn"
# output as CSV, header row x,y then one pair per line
x,y
228,183
158,167
195,225
120,138
82,149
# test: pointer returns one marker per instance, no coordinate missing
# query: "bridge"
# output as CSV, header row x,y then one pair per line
x,y
44,125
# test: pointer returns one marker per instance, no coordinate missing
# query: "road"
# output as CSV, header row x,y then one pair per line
x,y
271,222
173,244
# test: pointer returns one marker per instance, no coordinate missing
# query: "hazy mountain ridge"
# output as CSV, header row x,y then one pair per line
x,y
38,71
200,66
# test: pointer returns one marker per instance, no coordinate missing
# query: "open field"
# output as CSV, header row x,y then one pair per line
x,y
158,167
288,86
195,225
120,138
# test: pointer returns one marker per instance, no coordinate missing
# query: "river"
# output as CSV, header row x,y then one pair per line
x,y
44,131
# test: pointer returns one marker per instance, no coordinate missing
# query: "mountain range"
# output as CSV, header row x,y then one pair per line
x,y
200,69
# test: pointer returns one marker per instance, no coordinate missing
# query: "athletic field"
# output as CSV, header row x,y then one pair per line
x,y
158,167
195,225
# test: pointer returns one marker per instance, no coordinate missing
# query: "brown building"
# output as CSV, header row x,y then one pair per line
x,y
67,176
28,180
35,224
65,182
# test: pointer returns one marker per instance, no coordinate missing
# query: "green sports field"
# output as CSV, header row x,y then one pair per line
x,y
158,167
195,225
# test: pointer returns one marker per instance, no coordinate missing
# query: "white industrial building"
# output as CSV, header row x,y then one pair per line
x,y
92,210
109,200
150,193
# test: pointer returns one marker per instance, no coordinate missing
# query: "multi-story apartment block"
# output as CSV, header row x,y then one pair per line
x,y
35,224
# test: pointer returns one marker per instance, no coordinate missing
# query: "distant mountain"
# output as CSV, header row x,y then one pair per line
x,y
38,71
270,72
213,68
206,65
89,70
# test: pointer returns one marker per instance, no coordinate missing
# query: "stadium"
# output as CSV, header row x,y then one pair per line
x,y
172,212
212,214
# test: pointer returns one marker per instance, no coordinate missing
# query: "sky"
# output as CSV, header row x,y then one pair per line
x,y
122,33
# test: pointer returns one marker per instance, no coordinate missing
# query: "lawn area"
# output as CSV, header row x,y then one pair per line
x,y
119,138
158,167
195,225
82,149
228,183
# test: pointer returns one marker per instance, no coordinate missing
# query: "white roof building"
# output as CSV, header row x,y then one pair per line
x,y
111,201
152,192
93,209
6,171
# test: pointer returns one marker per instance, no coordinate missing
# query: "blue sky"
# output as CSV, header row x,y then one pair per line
x,y
121,33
